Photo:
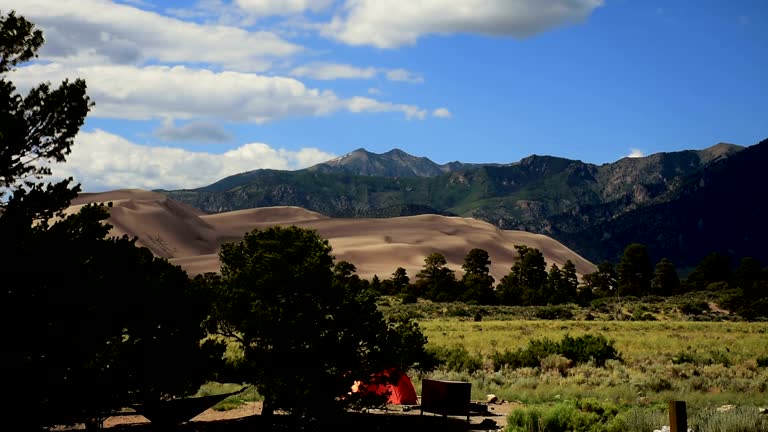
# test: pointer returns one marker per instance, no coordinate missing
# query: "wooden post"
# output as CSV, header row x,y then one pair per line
x,y
678,419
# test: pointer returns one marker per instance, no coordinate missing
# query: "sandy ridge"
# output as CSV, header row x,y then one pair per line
x,y
191,238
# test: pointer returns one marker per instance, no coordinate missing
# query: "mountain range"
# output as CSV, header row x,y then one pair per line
x,y
682,205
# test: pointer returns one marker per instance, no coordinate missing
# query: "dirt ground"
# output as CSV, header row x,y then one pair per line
x,y
393,419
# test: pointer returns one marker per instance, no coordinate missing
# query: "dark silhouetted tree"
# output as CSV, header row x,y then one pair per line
x,y
635,271
748,278
569,284
307,327
602,282
665,279
400,280
436,280
477,281
94,322
714,268
526,282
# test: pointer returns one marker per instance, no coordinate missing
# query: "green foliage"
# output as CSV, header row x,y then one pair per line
x,y
586,348
477,282
527,280
531,356
739,419
603,281
308,327
640,313
436,281
714,357
762,362
665,279
587,415
634,272
557,312
581,350
694,307
456,358
590,415
713,268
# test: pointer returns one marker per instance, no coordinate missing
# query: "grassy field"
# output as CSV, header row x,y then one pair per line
x,y
717,360
711,360
710,365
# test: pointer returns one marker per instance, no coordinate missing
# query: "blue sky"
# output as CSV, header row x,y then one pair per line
x,y
188,92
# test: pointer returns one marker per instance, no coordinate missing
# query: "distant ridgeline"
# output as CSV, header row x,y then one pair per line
x,y
682,205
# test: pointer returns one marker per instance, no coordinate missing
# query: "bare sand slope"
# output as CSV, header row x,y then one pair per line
x,y
375,246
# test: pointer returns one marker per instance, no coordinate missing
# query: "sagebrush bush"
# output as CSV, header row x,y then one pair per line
x,y
557,312
556,363
694,307
456,358
762,362
587,348
580,350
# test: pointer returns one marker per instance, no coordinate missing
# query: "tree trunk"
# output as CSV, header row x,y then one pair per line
x,y
268,409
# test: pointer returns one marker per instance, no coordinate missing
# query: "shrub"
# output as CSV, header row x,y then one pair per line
x,y
587,348
554,313
762,361
719,357
640,313
456,358
685,356
580,350
530,356
694,307
715,358
556,362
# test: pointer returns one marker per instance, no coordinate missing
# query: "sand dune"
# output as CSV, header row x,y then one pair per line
x,y
191,239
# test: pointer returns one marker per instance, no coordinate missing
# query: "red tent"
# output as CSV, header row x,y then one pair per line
x,y
392,382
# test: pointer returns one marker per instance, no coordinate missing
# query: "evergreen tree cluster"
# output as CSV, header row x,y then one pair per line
x,y
530,283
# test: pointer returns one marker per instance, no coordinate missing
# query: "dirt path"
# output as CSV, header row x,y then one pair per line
x,y
407,419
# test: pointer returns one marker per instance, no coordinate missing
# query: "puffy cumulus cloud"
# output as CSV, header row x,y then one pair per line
x,y
282,7
100,31
196,131
635,153
142,93
442,113
103,161
390,23
332,71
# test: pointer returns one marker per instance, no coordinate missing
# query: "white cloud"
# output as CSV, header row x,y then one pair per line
x,y
332,71
403,75
196,131
392,23
635,153
100,31
103,161
139,3
375,91
142,93
282,7
363,104
442,113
